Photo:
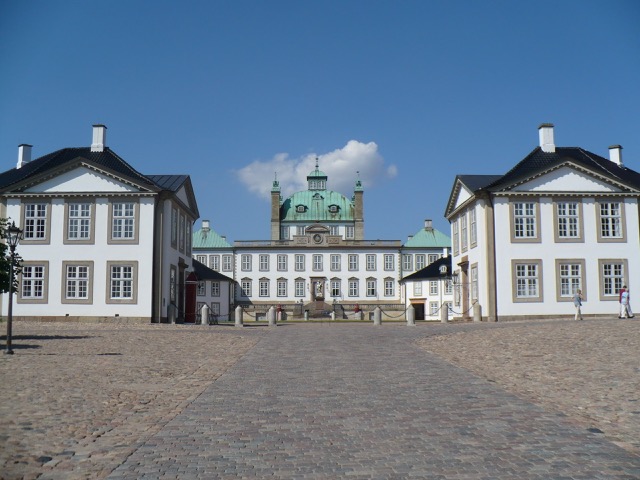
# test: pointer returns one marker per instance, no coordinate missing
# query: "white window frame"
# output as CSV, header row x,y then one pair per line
x,y
613,276
122,282
353,287
335,262
282,263
317,262
299,262
336,287
388,262
263,263
215,288
407,262
370,262
227,263
353,262
77,282
389,287
299,286
611,221
214,262
527,280
245,262
281,287
524,221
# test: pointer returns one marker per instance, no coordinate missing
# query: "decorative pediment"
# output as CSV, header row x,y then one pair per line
x,y
82,179
463,194
567,179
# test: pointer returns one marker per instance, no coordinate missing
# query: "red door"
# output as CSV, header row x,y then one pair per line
x,y
190,300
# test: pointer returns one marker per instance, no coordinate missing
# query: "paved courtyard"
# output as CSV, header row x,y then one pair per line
x,y
321,401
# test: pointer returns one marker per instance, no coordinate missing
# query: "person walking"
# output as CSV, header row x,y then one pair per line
x,y
577,301
625,303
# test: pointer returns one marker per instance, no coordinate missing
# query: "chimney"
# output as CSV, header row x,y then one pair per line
x,y
428,225
615,154
546,138
205,225
99,138
409,237
224,237
24,155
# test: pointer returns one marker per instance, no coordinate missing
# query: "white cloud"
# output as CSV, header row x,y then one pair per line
x,y
341,166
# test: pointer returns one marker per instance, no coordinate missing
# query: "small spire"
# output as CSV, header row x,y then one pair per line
x,y
317,166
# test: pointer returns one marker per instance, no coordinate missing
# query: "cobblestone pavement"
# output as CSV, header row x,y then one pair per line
x,y
314,401
358,401
77,399
588,370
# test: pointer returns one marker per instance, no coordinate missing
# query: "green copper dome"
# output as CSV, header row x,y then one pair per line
x,y
316,205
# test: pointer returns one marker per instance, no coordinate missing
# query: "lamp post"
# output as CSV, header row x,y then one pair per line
x,y
13,235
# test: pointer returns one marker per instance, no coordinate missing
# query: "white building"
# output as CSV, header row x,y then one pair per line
x,y
317,258
430,291
561,219
101,240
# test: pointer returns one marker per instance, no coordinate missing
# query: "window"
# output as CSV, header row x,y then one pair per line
x,y
282,263
350,232
299,259
34,285
433,287
122,282
527,280
463,232
215,289
448,288
420,261
335,287
77,282
284,233
333,208
569,278
613,274
371,263
371,287
456,237
433,257
174,227
36,222
474,282
214,262
124,221
173,274
417,288
201,289
263,287
317,263
202,259
524,225
189,237
300,230
611,220
335,263
245,262
245,287
473,228
407,262
388,262
353,287
568,227
282,287
433,309
353,262
299,287
389,287
334,230
227,263
264,263
301,209
215,308
181,232
79,226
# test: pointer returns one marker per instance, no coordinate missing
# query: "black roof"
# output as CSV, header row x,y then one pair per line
x,y
431,271
477,182
169,182
538,161
205,273
106,159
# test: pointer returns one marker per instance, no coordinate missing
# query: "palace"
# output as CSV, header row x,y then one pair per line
x,y
317,258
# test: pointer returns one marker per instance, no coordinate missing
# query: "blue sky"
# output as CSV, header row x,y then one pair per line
x,y
408,93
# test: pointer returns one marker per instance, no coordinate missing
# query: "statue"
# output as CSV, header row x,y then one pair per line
x,y
318,289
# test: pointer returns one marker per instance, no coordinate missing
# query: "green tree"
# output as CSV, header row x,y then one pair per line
x,y
5,260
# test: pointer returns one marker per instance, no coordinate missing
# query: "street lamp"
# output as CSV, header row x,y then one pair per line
x,y
13,235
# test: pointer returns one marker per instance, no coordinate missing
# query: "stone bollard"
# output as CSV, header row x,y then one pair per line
x,y
444,313
333,315
239,316
306,315
271,316
477,313
411,315
204,315
377,316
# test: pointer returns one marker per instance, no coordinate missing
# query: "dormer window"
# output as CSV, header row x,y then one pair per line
x,y
334,208
301,208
